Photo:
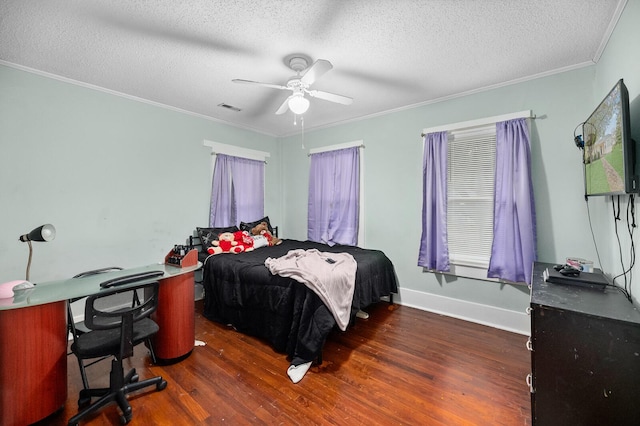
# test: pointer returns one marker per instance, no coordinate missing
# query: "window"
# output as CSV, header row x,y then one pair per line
x,y
478,217
335,215
237,185
470,191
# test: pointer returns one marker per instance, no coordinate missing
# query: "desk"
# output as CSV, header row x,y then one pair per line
x,y
34,337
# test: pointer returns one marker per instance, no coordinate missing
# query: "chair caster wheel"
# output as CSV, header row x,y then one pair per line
x,y
162,385
133,376
84,402
126,416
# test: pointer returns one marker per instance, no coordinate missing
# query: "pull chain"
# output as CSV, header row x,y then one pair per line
x,y
302,124
295,123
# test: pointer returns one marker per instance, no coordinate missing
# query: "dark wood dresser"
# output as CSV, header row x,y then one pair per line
x,y
585,355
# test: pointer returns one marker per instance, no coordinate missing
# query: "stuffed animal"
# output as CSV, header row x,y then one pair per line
x,y
226,243
244,240
263,230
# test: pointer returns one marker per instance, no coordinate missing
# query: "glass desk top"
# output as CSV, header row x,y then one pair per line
x,y
71,288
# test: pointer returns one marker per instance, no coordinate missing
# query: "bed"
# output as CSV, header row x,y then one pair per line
x,y
240,291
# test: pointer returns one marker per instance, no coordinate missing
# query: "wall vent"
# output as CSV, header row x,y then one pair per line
x,y
231,107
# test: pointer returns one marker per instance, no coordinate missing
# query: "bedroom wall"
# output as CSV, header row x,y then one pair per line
x,y
393,190
393,180
121,180
619,60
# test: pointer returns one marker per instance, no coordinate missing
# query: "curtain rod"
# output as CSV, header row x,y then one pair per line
x,y
479,122
336,149
246,158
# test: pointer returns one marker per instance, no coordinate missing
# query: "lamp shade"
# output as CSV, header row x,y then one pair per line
x,y
298,104
42,233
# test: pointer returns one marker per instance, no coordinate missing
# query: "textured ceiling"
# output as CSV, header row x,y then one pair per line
x,y
387,54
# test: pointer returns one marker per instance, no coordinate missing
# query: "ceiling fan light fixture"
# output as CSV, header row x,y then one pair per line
x,y
298,104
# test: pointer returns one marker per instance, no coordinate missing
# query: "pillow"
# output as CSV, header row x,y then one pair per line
x,y
244,226
207,235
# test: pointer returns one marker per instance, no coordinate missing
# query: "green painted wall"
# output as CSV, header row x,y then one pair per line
x,y
121,180
620,59
393,168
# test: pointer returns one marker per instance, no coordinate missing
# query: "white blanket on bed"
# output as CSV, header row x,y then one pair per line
x,y
331,276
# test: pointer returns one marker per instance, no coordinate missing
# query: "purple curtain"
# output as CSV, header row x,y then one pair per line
x,y
434,250
514,225
237,191
248,189
220,212
334,189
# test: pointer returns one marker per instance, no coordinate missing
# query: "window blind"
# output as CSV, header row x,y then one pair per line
x,y
470,186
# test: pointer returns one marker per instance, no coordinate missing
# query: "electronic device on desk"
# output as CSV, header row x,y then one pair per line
x,y
182,256
569,275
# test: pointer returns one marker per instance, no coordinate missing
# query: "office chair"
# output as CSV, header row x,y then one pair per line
x,y
78,328
118,320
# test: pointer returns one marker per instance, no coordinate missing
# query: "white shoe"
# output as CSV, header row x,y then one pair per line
x,y
362,314
297,372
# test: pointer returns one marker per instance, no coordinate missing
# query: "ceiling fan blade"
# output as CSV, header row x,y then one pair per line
x,y
284,107
257,83
317,70
331,97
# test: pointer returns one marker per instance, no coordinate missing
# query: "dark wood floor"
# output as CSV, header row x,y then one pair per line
x,y
400,366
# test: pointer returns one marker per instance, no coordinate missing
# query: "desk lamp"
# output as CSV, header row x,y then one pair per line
x,y
42,233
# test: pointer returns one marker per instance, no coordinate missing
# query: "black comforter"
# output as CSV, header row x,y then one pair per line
x,y
240,291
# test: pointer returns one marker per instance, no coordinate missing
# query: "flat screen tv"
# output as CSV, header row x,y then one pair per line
x,y
609,152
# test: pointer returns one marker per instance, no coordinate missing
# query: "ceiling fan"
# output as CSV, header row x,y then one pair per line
x,y
299,85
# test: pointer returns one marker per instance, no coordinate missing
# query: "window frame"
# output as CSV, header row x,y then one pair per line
x,y
480,127
234,151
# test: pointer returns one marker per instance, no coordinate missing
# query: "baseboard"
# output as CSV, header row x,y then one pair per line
x,y
503,319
